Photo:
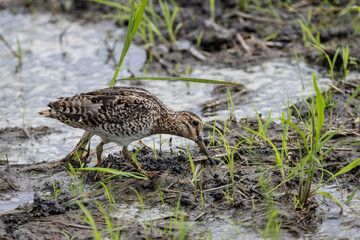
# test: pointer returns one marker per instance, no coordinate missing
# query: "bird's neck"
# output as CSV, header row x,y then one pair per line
x,y
168,123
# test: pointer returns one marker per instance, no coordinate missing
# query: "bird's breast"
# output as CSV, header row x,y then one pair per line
x,y
122,134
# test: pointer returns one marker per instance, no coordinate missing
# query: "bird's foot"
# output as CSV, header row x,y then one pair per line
x,y
99,176
57,164
152,174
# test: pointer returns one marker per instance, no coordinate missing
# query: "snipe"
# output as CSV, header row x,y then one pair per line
x,y
123,115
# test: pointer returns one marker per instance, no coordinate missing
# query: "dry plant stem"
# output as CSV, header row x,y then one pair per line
x,y
147,146
335,88
199,159
9,47
94,152
171,184
171,191
222,101
83,196
300,4
169,197
196,53
215,206
201,215
242,42
96,193
71,224
164,64
11,212
337,115
84,139
217,188
256,18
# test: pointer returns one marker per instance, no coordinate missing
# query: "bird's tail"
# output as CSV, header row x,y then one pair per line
x,y
46,113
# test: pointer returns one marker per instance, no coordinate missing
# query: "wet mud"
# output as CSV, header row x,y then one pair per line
x,y
45,216
50,217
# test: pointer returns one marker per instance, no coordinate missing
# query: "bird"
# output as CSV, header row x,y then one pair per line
x,y
123,115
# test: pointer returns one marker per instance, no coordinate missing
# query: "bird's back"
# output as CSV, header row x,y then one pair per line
x,y
117,114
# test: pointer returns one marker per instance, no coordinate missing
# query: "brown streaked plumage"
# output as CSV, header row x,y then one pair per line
x,y
123,115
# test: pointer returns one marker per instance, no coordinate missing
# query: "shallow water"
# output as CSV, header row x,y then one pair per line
x,y
234,224
272,85
342,225
9,202
54,67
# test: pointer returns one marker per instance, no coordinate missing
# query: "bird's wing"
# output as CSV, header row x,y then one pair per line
x,y
106,106
122,109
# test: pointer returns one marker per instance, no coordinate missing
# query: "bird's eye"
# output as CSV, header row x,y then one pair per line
x,y
195,123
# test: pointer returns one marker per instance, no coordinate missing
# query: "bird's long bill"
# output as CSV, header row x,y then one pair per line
x,y
202,146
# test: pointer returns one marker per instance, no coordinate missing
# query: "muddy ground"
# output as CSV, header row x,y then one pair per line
x,y
235,41
45,218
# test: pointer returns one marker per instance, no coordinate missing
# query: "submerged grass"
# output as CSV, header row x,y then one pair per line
x,y
18,53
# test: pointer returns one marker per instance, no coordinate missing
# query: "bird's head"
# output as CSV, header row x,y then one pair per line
x,y
190,127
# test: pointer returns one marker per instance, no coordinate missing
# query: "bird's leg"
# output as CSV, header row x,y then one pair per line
x,y
99,150
126,154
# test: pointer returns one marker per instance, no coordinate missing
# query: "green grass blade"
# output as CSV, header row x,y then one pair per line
x,y
19,51
272,219
184,232
112,4
351,195
320,107
231,100
277,155
334,146
295,171
321,142
347,103
331,197
353,95
115,172
345,56
134,22
138,17
302,135
335,56
346,169
278,158
90,220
